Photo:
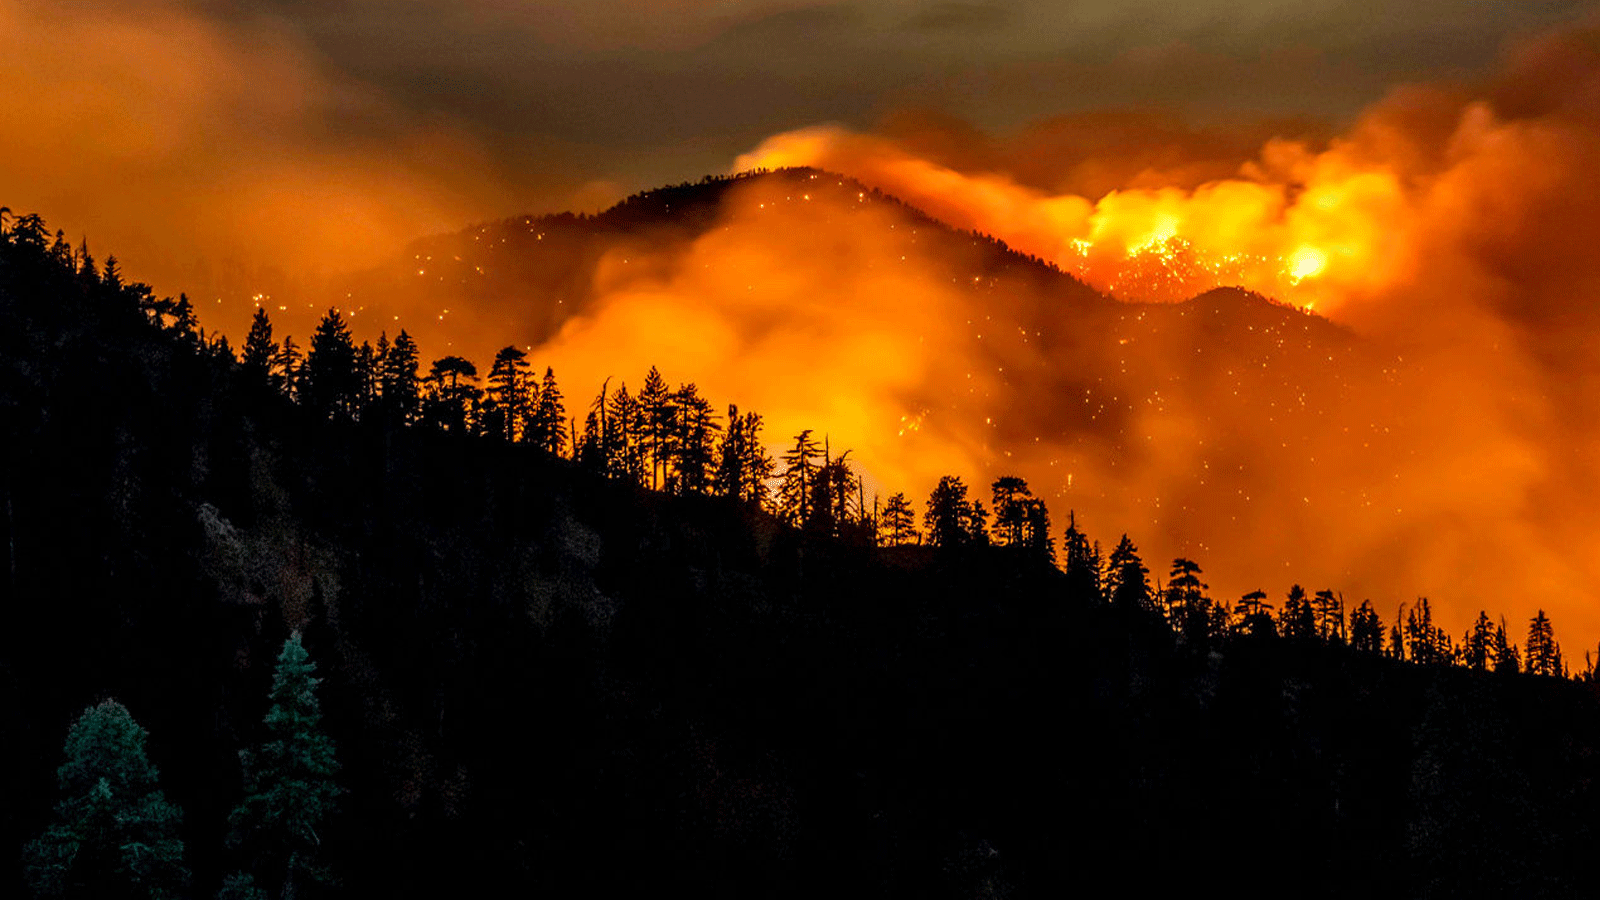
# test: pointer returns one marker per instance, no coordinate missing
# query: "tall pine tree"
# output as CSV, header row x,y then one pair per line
x,y
289,787
115,833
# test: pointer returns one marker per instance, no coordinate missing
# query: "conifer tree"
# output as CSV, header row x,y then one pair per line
x,y
799,475
1542,653
289,786
453,394
1426,643
87,273
743,466
629,440
1478,650
656,412
330,383
694,429
111,275
364,386
1328,609
1082,560
1188,607
286,365
1010,495
1366,629
508,386
949,517
1297,621
397,381
548,427
1253,616
976,523
898,524
1506,658
115,833
184,323
259,347
1127,584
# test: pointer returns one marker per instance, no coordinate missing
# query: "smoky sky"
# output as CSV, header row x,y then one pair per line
x,y
647,91
234,147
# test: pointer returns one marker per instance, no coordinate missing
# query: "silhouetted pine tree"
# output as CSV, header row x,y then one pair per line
x,y
1010,493
657,413
797,479
88,275
694,436
629,441
743,465
508,387
1366,629
897,525
1506,658
1478,649
452,394
1297,621
1082,561
398,383
548,427
1188,607
184,325
1127,579
1426,643
1542,653
259,348
1328,608
286,366
366,395
329,383
949,517
1252,616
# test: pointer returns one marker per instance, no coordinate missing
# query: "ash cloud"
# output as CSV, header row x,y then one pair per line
x,y
220,158
1448,451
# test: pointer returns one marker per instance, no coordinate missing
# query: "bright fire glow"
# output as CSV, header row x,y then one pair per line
x,y
1307,262
1261,230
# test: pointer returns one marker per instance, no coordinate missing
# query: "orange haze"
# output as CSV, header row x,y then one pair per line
x,y
1451,454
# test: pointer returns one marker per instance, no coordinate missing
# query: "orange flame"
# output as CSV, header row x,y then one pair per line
x,y
1308,228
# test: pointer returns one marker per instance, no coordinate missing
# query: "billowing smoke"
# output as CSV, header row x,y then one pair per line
x,y
1448,451
213,155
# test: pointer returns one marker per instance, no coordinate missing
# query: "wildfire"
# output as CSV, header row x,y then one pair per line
x,y
1307,262
1269,229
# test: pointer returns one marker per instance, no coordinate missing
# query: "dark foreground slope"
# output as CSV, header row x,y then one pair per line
x,y
540,681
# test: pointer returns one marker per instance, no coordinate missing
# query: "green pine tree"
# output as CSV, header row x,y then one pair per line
x,y
289,787
115,834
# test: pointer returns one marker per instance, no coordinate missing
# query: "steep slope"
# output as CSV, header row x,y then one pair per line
x,y
525,276
928,351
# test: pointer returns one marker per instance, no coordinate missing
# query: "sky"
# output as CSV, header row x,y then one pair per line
x,y
216,120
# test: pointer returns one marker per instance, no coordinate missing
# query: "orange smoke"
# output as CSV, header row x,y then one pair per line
x,y
1448,450
213,155
1309,228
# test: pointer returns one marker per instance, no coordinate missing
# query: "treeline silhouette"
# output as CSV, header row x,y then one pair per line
x,y
671,440
629,650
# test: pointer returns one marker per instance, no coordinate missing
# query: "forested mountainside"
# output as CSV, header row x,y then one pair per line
x,y
541,675
539,270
